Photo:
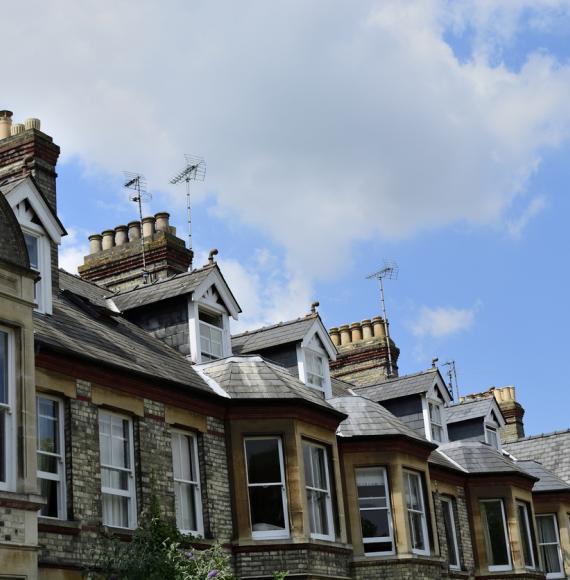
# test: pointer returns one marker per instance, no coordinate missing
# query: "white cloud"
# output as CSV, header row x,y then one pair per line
x,y
323,124
73,250
442,321
517,225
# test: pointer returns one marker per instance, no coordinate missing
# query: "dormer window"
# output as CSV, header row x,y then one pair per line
x,y
40,261
492,437
436,422
313,365
211,335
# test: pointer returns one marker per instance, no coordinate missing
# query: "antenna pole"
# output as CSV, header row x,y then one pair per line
x,y
139,203
386,327
189,212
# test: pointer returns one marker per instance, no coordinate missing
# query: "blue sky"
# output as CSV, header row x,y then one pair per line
x,y
336,135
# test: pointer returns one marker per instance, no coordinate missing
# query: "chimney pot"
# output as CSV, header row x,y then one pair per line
x,y
344,334
212,256
148,226
108,239
162,224
356,332
121,236
17,128
379,330
366,329
32,123
134,230
335,336
5,124
95,245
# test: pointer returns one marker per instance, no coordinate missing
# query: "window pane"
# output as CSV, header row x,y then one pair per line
x,y
4,368
115,510
115,479
318,521
48,425
549,546
522,512
546,530
2,445
416,526
48,463
492,438
449,523
185,506
314,459
262,457
413,493
32,245
49,489
183,452
375,523
266,505
496,537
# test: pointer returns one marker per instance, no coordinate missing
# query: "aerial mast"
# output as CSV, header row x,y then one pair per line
x,y
388,272
195,170
137,183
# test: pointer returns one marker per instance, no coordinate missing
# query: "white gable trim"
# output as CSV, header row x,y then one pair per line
x,y
439,387
318,329
26,190
496,410
214,278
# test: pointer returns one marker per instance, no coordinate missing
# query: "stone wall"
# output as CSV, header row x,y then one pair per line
x,y
392,569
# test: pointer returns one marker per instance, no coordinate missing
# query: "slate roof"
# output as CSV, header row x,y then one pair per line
x,y
477,458
341,388
84,329
255,378
369,419
438,457
257,340
476,409
400,386
177,285
95,293
547,481
551,449
12,244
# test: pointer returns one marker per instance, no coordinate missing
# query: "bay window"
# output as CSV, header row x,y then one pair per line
x,y
50,451
187,483
525,534
549,545
266,487
375,511
448,506
318,490
496,536
7,411
416,510
117,470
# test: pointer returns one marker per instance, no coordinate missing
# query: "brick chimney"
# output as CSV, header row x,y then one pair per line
x,y
363,352
26,151
512,411
116,258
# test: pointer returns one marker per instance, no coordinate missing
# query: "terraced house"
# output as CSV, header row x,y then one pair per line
x,y
289,444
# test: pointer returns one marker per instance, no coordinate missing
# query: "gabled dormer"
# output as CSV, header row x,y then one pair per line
x,y
190,312
42,232
303,346
417,399
477,419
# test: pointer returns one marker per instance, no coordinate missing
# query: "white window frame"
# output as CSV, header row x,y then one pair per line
x,y
59,477
550,575
194,308
447,503
423,512
269,534
498,567
491,428
302,367
129,493
527,521
388,508
428,400
9,411
328,495
195,485
43,285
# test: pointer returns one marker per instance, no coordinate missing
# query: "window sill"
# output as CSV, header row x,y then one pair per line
x,y
24,501
121,533
55,526
249,545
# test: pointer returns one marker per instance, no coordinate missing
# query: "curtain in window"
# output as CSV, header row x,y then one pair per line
x,y
186,482
549,544
318,492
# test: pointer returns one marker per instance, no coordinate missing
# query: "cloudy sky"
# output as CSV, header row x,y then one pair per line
x,y
336,134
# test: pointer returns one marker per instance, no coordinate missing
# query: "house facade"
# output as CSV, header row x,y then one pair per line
x,y
289,445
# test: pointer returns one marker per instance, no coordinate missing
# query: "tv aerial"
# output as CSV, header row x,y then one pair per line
x,y
452,375
195,170
137,184
388,272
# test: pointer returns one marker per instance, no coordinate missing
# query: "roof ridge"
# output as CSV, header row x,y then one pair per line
x,y
539,436
275,325
399,378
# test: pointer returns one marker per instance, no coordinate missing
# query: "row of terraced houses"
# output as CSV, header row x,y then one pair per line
x,y
296,447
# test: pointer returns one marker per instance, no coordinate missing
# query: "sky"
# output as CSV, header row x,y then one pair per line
x,y
336,135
